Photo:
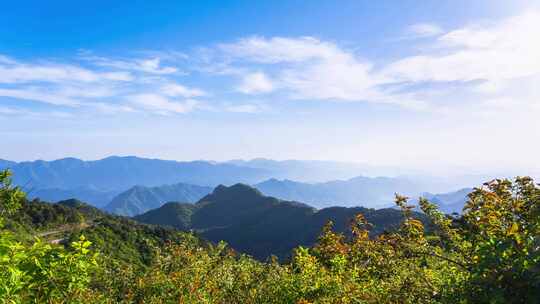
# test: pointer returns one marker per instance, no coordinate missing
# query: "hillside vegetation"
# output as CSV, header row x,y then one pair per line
x,y
489,254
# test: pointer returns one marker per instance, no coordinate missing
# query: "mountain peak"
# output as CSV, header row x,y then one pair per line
x,y
235,191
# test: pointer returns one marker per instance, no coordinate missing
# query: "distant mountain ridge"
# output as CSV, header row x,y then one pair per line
x,y
359,191
451,202
364,191
98,182
314,171
120,173
6,164
261,225
140,199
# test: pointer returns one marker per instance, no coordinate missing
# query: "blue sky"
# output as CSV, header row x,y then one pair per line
x,y
418,84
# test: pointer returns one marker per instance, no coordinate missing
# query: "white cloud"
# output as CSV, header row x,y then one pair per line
x,y
469,64
255,83
474,64
161,105
111,109
40,96
306,68
422,30
502,51
149,65
103,88
177,90
245,108
10,112
15,72
280,49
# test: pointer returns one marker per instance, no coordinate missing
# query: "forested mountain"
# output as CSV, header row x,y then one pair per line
x,y
140,199
119,238
357,191
261,225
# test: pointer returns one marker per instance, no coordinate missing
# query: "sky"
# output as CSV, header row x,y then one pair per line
x,y
422,84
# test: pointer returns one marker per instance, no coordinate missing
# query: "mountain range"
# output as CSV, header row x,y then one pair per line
x,y
318,183
120,173
261,225
98,182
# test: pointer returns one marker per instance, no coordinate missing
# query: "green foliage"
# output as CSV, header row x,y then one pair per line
x,y
501,226
490,254
10,197
125,241
39,272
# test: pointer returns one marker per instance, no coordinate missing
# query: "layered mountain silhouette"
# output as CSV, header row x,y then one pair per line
x,y
261,225
140,199
359,191
99,182
313,171
121,173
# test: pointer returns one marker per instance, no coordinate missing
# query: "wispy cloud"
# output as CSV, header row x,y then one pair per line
x,y
149,65
306,68
36,94
251,108
255,83
422,30
103,85
177,90
14,72
162,105
481,61
472,64
484,65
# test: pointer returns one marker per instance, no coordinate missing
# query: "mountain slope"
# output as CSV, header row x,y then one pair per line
x,y
261,225
140,199
117,239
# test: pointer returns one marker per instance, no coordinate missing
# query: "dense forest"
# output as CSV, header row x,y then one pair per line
x,y
70,252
